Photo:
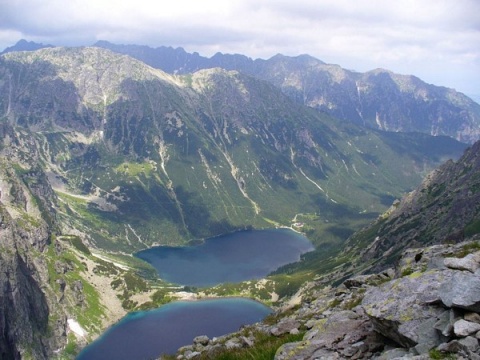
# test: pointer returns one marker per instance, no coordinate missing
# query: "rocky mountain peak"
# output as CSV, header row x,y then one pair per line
x,y
376,99
24,45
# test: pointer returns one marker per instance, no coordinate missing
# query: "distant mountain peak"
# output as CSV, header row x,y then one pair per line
x,y
24,45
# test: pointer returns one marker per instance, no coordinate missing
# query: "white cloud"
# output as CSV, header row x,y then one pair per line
x,y
438,41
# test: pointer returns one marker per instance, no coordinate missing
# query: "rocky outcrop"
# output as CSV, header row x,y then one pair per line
x,y
25,329
32,324
344,334
434,309
399,309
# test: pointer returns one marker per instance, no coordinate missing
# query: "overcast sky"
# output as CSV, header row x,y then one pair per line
x,y
436,40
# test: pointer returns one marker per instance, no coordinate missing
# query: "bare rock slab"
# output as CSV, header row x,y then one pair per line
x,y
471,262
345,334
462,291
398,309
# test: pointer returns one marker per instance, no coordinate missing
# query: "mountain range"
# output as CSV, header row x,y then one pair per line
x,y
104,155
378,99
203,154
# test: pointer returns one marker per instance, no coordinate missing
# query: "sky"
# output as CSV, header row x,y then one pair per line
x,y
436,40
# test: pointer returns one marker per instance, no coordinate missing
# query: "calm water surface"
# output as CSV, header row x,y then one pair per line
x,y
147,334
234,257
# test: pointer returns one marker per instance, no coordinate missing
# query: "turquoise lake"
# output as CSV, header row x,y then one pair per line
x,y
148,334
235,257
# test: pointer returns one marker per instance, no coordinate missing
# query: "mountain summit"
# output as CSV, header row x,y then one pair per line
x,y
24,45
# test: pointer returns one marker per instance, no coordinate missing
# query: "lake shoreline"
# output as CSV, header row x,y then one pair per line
x,y
176,324
231,258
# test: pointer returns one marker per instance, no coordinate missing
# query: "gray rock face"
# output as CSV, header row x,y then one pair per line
x,y
24,307
462,291
399,310
345,334
32,324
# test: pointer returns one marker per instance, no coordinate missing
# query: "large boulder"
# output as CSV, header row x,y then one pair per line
x,y
471,262
285,326
462,291
464,328
345,334
404,311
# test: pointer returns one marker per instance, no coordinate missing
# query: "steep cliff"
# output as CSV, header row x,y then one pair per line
x,y
32,325
42,275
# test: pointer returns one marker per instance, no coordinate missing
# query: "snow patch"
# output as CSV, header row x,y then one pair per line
x,y
76,328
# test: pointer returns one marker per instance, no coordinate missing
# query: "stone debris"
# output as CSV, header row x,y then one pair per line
x,y
464,328
202,340
285,326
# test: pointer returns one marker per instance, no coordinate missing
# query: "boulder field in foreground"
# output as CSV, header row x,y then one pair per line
x,y
431,305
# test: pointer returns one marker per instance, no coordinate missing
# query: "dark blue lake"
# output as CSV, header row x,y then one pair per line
x,y
234,257
148,334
